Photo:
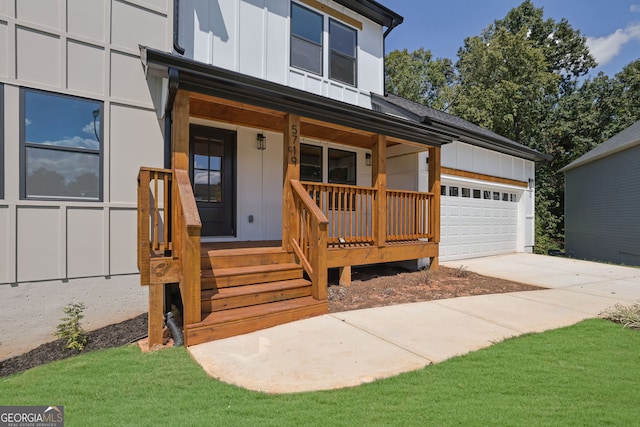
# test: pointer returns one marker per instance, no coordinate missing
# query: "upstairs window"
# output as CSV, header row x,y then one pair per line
x,y
61,149
342,53
306,39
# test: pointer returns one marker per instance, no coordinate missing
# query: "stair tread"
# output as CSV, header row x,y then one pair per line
x,y
245,313
280,285
242,252
234,271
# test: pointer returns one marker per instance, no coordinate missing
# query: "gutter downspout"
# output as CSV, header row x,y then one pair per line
x,y
394,24
176,22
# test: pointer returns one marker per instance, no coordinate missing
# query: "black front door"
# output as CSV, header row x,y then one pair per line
x,y
212,166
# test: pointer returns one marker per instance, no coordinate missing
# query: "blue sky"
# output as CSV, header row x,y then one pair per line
x,y
612,26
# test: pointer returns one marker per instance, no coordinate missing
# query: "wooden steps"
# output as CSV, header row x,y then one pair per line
x,y
248,289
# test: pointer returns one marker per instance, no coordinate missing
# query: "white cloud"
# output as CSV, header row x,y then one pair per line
x,y
89,127
27,122
604,49
635,8
75,142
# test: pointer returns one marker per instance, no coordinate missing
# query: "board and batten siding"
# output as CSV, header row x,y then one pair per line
x,y
602,209
252,37
54,252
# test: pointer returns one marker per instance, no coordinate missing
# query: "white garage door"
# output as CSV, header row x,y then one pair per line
x,y
478,220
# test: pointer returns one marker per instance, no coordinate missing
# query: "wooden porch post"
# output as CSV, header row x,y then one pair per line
x,y
434,207
379,181
291,152
180,131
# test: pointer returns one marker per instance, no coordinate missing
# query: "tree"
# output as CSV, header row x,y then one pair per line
x,y
503,80
418,77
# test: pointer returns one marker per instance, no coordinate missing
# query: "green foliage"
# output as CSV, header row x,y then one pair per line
x,y
521,79
70,330
418,77
627,315
582,375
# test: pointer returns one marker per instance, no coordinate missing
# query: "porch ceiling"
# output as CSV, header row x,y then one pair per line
x,y
227,111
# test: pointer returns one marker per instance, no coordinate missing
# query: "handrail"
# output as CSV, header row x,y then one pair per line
x,y
350,210
309,238
153,233
169,250
187,239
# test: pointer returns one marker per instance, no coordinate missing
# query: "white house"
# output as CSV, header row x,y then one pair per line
x,y
201,101
602,201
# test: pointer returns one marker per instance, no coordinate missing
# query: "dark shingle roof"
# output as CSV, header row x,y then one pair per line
x,y
467,131
630,137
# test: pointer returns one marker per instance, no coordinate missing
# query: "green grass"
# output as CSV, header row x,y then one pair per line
x,y
587,374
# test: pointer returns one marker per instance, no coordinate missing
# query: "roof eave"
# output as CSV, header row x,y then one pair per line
x,y
374,11
215,81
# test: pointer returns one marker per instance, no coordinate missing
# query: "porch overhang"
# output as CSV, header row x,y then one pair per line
x,y
238,88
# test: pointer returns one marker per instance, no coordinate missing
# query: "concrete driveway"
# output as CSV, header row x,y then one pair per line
x,y
351,348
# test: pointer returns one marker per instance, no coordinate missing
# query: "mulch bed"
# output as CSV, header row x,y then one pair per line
x,y
375,286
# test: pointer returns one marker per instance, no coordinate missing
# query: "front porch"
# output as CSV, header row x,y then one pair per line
x,y
227,290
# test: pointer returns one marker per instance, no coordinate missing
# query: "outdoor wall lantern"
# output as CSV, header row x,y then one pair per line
x,y
262,142
367,159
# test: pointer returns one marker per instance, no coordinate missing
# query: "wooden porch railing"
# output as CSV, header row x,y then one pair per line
x,y
349,210
309,238
408,215
168,243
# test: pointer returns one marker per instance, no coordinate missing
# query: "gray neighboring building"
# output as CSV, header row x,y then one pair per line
x,y
602,201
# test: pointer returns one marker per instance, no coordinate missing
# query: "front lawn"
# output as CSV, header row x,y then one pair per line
x,y
587,374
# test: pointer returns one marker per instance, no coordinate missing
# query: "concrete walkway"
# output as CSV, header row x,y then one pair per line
x,y
351,348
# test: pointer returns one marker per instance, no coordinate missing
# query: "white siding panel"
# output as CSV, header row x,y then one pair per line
x,y
464,157
40,12
350,95
518,169
38,57
370,57
39,243
194,20
85,70
86,18
137,141
296,80
223,27
448,156
156,4
313,84
250,175
252,49
123,241
132,26
277,51
335,92
6,227
85,242
128,81
4,50
4,7
506,166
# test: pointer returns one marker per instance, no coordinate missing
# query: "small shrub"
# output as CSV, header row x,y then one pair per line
x,y
70,330
461,272
627,315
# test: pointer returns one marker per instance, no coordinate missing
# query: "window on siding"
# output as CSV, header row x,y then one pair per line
x,y
476,193
466,192
310,163
61,149
443,190
1,141
512,197
306,39
505,197
486,194
453,191
342,167
342,53
496,195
